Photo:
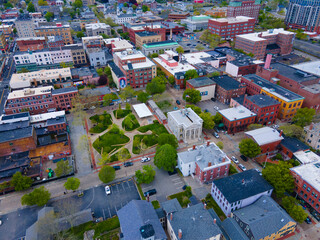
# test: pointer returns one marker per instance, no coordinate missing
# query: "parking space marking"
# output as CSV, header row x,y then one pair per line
x,y
104,216
118,188
109,212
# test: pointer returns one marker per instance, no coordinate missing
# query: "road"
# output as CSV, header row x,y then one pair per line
x,y
6,75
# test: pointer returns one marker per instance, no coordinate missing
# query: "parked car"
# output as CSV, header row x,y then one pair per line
x,y
128,164
178,102
213,99
244,158
258,171
217,129
116,168
308,220
234,159
315,215
184,187
107,189
243,168
216,108
150,192
206,110
216,135
145,159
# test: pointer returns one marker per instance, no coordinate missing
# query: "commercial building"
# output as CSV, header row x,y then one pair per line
x,y
137,68
264,106
94,29
157,47
31,44
237,119
242,65
205,162
185,124
55,41
178,15
312,136
25,27
10,13
97,57
147,37
58,30
85,75
94,41
239,190
3,43
63,97
289,102
228,28
205,85
78,54
121,45
248,8
275,41
196,22
7,30
228,88
303,14
151,18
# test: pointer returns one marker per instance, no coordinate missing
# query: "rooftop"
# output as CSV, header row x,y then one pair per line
x,y
95,91
45,116
262,100
231,20
142,110
261,36
264,135
310,67
11,125
233,230
294,144
242,185
236,113
146,34
201,82
313,88
115,69
30,92
181,68
186,117
227,82
305,157
30,39
129,54
95,26
84,71
196,57
147,64
171,206
64,90
200,18
274,89
160,44
15,134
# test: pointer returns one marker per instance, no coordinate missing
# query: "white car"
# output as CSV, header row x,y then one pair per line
x,y
145,159
216,108
108,190
243,168
234,159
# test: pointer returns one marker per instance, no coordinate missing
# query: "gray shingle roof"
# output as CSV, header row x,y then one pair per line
x,y
242,185
262,100
16,134
201,81
136,214
233,230
195,222
264,217
227,82
171,206
294,144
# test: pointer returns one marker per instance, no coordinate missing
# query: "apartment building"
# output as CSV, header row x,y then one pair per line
x,y
7,30
78,54
147,37
228,28
3,43
55,41
312,136
248,8
97,57
94,29
63,97
275,41
25,27
31,43
58,30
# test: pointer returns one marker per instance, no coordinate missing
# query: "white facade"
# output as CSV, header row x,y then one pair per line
x,y
313,135
232,69
119,19
94,29
60,56
207,92
97,57
25,28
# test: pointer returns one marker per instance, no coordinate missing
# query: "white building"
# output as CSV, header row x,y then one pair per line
x,y
239,190
25,28
196,22
89,40
94,29
97,57
313,135
122,18
185,124
205,85
122,45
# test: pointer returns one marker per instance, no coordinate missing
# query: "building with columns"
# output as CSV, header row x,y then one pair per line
x,y
185,124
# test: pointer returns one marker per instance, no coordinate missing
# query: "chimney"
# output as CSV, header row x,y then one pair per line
x,y
171,216
280,134
311,126
208,143
209,164
180,234
204,206
214,221
268,61
148,198
194,147
223,159
242,181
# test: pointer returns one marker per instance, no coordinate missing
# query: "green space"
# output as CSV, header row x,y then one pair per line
x,y
115,157
100,122
211,203
155,127
111,140
121,113
182,197
130,122
163,105
140,192
232,170
155,204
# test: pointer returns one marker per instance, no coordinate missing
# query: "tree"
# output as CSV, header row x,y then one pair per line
x,y
105,36
40,196
304,116
143,97
21,182
278,175
220,145
108,98
42,3
125,4
8,5
63,168
103,80
192,95
180,50
190,74
72,183
31,7
107,174
295,211
166,157
147,175
48,16
214,74
145,8
171,80
78,4
249,148
134,7
196,109
80,34
292,130
254,126
21,10
208,120
199,47
217,118
166,138
15,31
104,159
113,32
157,85
127,92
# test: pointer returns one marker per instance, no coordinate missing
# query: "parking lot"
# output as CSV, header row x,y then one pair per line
x,y
209,105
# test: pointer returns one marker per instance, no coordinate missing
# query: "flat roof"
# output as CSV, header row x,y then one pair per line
x,y
122,44
142,110
233,114
196,57
160,44
231,20
262,100
227,82
201,82
27,92
310,67
147,63
253,37
307,156
186,117
45,116
146,34
30,38
129,54
264,135
15,134
182,67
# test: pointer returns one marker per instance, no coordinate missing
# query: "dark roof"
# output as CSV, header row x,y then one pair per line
x,y
171,206
201,82
262,100
15,134
84,71
293,144
293,73
160,213
242,185
57,120
233,230
227,82
272,46
13,116
95,91
162,42
147,231
145,34
14,125
239,100
64,90
115,69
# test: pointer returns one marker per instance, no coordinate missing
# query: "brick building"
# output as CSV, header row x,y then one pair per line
x,y
237,119
147,37
7,30
55,41
10,13
228,28
63,97
265,107
178,15
248,8
290,146
78,54
217,12
3,43
228,88
274,41
58,30
32,44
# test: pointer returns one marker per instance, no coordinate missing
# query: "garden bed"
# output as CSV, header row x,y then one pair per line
x,y
115,157
102,121
121,113
130,122
155,127
211,203
182,197
147,140
155,204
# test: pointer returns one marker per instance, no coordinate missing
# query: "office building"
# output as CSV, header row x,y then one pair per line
x,y
158,47
25,27
58,30
94,29
248,8
146,37
196,22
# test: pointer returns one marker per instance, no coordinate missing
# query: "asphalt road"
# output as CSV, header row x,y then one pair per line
x,y
6,75
14,224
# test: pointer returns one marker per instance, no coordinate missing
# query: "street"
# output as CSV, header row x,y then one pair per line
x,y
4,84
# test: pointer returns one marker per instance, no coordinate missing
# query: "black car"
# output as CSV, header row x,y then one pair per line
x,y
213,99
116,168
178,102
244,158
308,220
150,192
173,172
128,164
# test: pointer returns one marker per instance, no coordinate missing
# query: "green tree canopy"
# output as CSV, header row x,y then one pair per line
x,y
78,4
196,109
42,3
180,50
31,7
208,120
8,5
220,145
48,16
20,182
199,47
108,98
278,175
107,174
63,168
80,34
292,130
134,7
304,116
147,175
249,148
254,126
39,196
127,92
143,97
217,118
190,74
192,95
145,8
72,183
157,85
295,211
166,157
166,138
171,80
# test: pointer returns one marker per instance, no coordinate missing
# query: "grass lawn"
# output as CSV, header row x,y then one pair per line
x,y
232,170
163,104
140,191
155,127
182,197
155,204
130,122
115,157
147,140
101,122
211,203
111,140
121,113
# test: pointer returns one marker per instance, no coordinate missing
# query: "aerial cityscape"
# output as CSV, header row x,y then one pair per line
x,y
159,120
